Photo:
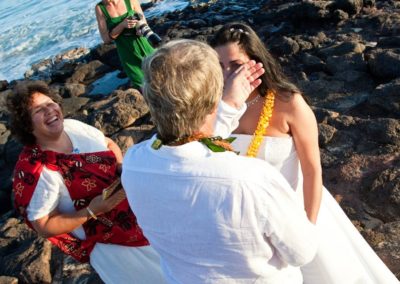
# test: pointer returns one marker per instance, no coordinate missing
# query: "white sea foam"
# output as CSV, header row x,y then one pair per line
x,y
34,30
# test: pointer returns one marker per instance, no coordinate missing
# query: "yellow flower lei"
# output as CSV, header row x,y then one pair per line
x,y
262,124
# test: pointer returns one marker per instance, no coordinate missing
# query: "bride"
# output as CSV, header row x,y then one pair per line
x,y
279,126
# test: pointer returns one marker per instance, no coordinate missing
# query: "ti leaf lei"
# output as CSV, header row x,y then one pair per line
x,y
215,144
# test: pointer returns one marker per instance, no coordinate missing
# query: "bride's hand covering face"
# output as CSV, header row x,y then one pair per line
x,y
241,74
242,82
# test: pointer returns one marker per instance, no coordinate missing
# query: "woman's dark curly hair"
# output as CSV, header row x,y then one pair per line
x,y
19,103
273,78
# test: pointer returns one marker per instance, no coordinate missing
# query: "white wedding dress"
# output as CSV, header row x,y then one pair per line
x,y
343,257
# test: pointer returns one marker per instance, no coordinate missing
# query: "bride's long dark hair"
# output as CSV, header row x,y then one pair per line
x,y
273,78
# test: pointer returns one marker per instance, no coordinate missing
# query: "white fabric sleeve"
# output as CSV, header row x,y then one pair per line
x,y
46,195
227,119
92,131
84,136
286,224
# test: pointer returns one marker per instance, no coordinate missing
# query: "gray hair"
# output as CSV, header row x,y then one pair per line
x,y
183,83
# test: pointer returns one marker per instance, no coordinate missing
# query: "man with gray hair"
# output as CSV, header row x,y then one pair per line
x,y
213,216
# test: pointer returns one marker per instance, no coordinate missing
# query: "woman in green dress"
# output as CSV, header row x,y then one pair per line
x,y
116,24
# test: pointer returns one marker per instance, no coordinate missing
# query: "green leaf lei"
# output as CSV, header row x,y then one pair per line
x,y
215,144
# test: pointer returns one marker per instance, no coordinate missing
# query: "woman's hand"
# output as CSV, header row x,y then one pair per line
x,y
57,223
129,23
239,85
100,206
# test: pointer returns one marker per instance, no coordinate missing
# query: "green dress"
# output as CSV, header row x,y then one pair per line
x,y
130,47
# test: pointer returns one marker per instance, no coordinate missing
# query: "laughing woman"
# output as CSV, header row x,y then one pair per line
x,y
58,183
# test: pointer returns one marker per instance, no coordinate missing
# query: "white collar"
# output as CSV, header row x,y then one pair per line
x,y
191,150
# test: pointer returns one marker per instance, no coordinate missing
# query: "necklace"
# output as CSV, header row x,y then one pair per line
x,y
215,144
253,101
262,124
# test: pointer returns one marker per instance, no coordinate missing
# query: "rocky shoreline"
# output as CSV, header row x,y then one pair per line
x,y
343,54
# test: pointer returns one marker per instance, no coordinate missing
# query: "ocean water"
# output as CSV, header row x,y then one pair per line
x,y
33,30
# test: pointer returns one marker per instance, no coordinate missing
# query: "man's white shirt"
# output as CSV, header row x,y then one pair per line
x,y
217,217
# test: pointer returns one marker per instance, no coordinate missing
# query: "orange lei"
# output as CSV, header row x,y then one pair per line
x,y
262,124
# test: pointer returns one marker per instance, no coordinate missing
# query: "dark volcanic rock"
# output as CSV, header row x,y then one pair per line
x,y
8,280
326,133
350,6
133,135
342,49
387,97
74,89
3,85
385,193
87,73
389,42
121,110
341,63
23,254
385,64
382,130
107,53
312,63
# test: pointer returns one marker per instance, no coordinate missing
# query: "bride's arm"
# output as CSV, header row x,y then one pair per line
x,y
303,126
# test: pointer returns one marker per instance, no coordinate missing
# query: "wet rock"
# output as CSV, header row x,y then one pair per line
x,y
387,99
369,3
58,67
385,193
5,195
76,54
40,71
3,85
107,53
338,49
4,135
133,135
72,105
391,24
308,11
318,39
353,76
340,15
89,72
327,158
353,61
119,111
312,63
196,23
319,90
3,105
23,254
381,130
8,280
386,242
389,42
326,133
324,115
350,6
74,90
284,46
385,64
11,151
